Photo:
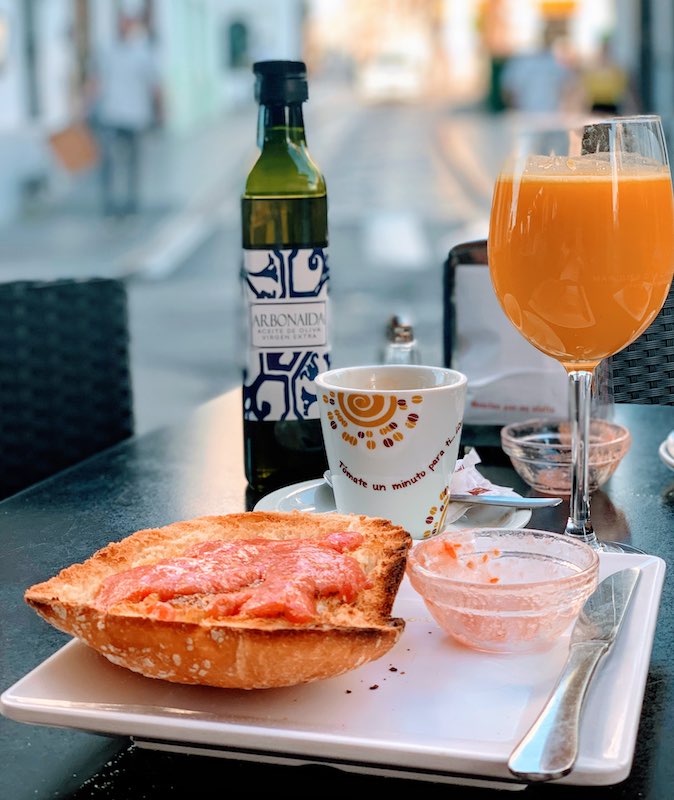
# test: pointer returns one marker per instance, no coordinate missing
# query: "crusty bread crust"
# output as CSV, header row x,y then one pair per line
x,y
233,652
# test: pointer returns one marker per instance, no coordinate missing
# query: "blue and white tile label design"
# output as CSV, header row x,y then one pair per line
x,y
286,293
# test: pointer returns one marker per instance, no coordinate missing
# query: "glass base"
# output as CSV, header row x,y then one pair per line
x,y
589,537
620,547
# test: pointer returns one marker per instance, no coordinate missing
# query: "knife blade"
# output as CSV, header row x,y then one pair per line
x,y
550,748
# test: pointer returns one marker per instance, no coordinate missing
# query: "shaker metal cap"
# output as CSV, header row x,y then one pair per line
x,y
399,330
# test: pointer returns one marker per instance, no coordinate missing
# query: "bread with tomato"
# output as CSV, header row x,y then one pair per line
x,y
248,601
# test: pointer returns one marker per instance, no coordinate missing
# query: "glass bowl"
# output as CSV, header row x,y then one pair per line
x,y
503,590
540,452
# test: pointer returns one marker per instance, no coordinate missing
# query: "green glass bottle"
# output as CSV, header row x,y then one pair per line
x,y
285,284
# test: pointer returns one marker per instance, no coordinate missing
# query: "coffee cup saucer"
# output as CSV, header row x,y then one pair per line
x,y
316,496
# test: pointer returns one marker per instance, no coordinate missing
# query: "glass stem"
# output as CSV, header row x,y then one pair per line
x,y
580,385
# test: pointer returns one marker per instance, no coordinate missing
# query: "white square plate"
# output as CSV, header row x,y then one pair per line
x,y
429,709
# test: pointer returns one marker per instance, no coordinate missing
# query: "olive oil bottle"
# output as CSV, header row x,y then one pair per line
x,y
285,286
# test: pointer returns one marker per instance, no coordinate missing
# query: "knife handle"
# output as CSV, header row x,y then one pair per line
x,y
550,747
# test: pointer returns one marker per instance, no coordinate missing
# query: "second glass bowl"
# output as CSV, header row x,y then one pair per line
x,y
540,452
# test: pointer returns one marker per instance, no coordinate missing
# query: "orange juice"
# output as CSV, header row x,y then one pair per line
x,y
582,263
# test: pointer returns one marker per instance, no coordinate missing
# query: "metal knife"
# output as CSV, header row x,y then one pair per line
x,y
505,500
550,748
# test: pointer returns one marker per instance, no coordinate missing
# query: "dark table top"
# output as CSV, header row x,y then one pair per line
x,y
196,468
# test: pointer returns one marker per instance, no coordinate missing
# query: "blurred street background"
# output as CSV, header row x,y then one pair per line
x,y
409,114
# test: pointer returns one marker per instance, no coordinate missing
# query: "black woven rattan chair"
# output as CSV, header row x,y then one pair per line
x,y
65,384
642,372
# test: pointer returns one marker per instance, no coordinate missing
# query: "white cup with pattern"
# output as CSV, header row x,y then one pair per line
x,y
392,435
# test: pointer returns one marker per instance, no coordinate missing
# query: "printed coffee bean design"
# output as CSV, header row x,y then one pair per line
x,y
435,518
372,419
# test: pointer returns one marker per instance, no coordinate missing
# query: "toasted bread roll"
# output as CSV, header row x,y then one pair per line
x,y
250,600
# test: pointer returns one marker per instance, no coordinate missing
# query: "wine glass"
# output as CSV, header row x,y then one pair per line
x,y
581,256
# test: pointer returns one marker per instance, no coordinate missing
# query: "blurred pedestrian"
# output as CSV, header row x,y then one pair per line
x,y
607,84
540,81
126,99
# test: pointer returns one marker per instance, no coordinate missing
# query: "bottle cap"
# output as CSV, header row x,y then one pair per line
x,y
280,82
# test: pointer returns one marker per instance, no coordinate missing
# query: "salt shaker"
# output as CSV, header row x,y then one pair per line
x,y
401,346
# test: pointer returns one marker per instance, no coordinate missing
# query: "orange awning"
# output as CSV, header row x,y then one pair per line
x,y
558,9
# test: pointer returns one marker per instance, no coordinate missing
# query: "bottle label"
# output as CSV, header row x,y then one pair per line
x,y
286,295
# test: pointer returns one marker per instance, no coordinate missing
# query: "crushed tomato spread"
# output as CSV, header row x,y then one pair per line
x,y
248,577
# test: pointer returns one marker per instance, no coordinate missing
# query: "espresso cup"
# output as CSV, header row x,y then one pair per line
x,y
392,435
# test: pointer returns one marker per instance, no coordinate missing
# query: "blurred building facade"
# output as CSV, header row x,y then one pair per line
x,y
455,42
446,49
34,91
